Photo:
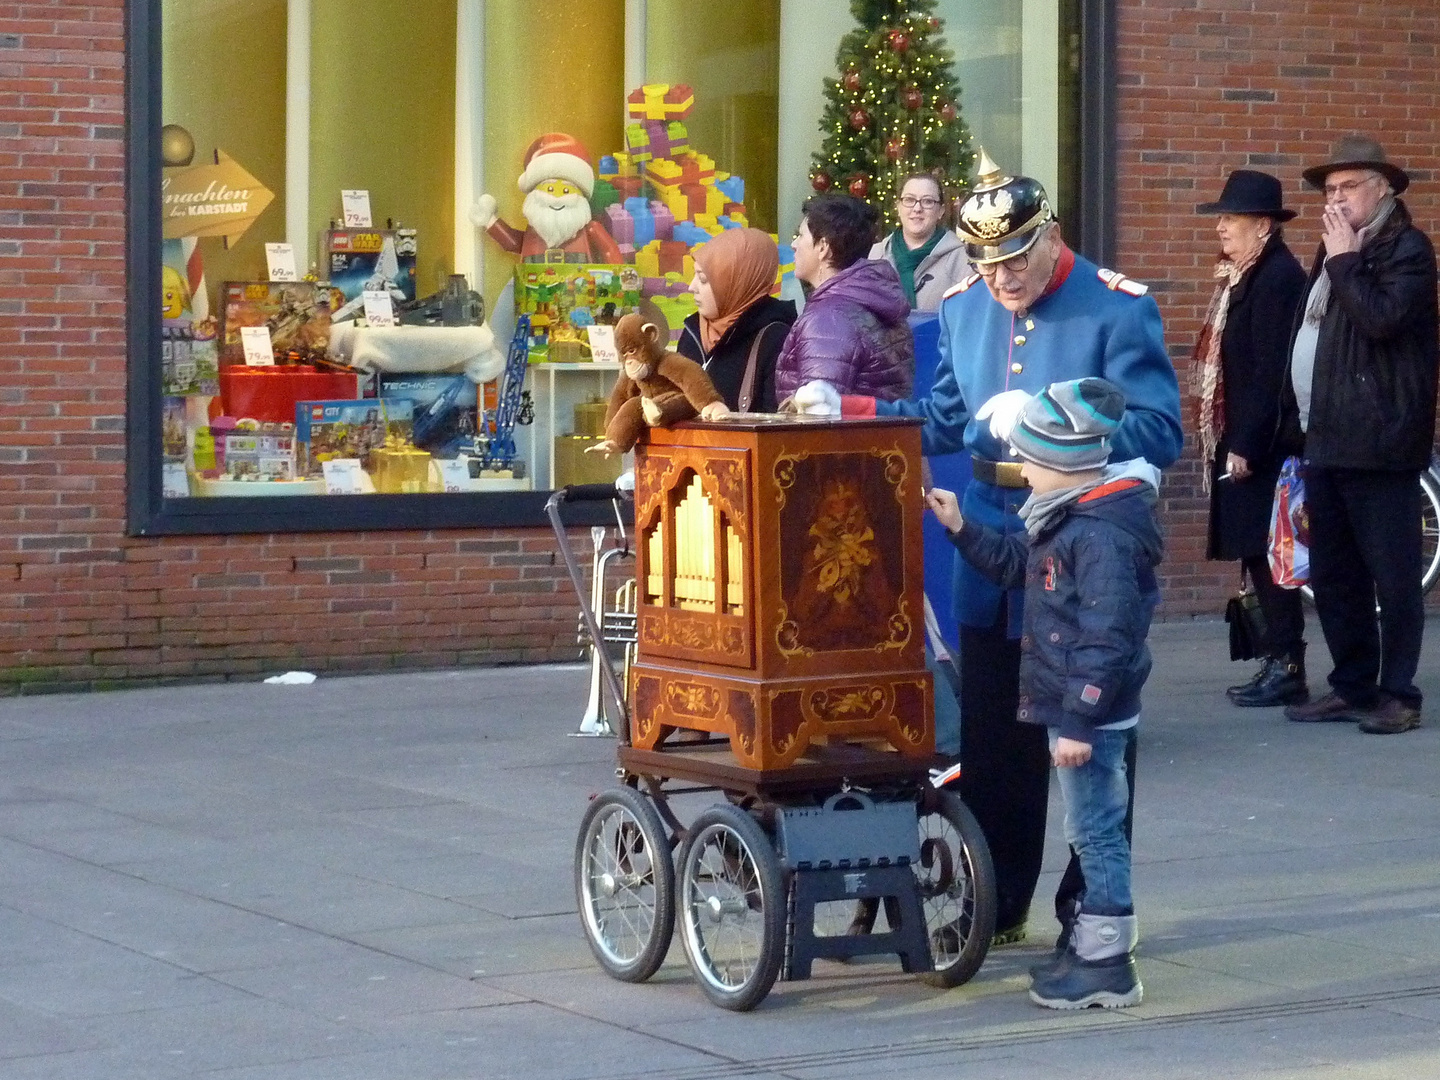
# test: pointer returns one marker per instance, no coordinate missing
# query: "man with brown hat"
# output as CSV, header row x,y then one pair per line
x,y
1361,400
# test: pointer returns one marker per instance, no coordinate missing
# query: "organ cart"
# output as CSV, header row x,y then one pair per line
x,y
778,661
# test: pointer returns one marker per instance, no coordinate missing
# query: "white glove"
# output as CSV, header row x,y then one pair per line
x,y
483,213
817,398
1003,410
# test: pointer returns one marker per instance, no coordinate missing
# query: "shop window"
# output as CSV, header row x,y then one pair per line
x,y
479,132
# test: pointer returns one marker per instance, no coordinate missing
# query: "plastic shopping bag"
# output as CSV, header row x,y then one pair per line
x,y
1290,529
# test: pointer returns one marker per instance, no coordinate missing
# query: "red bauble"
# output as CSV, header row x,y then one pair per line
x,y
933,23
895,149
899,40
859,119
820,181
948,113
912,98
860,186
851,80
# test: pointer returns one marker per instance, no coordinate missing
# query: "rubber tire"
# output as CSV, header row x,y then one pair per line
x,y
1430,528
657,843
974,857
715,820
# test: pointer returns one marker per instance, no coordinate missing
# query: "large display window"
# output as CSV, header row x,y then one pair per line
x,y
376,249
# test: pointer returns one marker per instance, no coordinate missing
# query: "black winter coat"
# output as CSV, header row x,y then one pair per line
x,y
1090,590
726,362
1255,361
1377,363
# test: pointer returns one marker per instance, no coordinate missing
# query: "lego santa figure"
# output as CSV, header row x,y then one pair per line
x,y
558,181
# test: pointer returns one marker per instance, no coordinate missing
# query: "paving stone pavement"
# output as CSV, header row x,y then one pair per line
x,y
369,879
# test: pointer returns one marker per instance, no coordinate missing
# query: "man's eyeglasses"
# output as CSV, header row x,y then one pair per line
x,y
927,202
1016,265
1348,188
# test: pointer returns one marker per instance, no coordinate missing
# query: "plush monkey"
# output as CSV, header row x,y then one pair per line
x,y
656,388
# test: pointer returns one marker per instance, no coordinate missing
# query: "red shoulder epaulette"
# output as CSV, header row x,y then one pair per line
x,y
1117,281
960,286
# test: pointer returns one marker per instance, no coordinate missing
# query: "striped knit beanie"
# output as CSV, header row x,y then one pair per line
x,y
1067,426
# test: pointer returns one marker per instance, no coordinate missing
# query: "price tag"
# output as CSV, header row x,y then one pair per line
x,y
342,476
259,352
602,344
379,311
173,481
357,208
455,474
280,259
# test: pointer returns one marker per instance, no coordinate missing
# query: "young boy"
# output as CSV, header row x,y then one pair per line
x,y
1088,567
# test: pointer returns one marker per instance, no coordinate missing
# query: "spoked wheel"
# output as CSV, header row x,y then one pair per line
x,y
732,908
625,884
1429,535
957,888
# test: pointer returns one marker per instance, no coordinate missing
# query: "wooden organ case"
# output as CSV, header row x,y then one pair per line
x,y
780,598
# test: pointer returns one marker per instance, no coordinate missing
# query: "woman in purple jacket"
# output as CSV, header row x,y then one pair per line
x,y
853,332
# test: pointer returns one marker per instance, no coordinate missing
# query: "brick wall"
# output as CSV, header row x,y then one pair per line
x,y
1207,86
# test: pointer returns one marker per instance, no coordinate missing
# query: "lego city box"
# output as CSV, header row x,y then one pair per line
x,y
325,430
779,565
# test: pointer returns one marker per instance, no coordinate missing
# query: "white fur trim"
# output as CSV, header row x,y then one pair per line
x,y
558,166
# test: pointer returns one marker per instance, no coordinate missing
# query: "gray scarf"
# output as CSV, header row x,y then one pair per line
x,y
1039,512
1320,291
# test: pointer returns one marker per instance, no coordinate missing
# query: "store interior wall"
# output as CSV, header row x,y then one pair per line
x,y
223,80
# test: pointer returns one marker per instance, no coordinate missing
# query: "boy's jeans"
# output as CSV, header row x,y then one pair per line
x,y
1095,796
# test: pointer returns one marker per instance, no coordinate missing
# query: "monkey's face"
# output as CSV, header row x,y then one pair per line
x,y
637,364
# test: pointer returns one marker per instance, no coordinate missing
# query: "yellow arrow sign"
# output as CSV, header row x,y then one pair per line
x,y
211,200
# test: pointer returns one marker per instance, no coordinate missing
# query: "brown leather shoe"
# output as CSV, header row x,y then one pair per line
x,y
1331,708
1390,717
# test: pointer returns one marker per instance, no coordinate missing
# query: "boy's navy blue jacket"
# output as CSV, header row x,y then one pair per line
x,y
1090,590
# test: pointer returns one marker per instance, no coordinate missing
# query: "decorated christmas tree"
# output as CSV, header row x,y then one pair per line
x,y
894,110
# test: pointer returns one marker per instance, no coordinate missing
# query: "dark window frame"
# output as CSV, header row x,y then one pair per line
x,y
149,513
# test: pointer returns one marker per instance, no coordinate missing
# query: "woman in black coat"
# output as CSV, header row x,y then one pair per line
x,y
738,318
1241,365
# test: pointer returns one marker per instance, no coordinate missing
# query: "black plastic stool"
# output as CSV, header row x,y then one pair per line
x,y
909,940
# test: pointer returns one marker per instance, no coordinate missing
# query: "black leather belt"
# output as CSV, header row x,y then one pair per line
x,y
1005,474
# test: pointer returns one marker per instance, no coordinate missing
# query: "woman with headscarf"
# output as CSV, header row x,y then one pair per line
x,y
737,332
1241,363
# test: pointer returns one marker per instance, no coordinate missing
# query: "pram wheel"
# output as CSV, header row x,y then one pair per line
x,y
625,884
957,888
732,908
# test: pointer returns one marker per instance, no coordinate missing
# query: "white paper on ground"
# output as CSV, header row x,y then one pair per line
x,y
291,678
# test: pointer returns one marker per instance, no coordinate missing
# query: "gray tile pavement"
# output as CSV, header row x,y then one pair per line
x,y
370,878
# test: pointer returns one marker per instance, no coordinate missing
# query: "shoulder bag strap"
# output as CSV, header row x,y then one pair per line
x,y
747,384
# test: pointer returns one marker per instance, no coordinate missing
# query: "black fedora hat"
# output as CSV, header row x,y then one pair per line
x,y
1357,152
1249,192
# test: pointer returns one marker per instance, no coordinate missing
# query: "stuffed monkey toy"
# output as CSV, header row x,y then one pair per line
x,y
656,388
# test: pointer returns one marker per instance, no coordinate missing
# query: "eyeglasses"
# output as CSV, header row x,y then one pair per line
x,y
1348,188
1016,265
927,202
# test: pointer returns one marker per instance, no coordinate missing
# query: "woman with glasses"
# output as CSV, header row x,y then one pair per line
x,y
1241,360
927,256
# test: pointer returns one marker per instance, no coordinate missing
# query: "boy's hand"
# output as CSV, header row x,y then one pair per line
x,y
946,508
1069,753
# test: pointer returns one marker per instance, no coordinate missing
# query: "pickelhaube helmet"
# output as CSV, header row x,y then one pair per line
x,y
1002,215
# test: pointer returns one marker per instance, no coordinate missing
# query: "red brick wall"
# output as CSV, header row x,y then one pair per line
x,y
1207,86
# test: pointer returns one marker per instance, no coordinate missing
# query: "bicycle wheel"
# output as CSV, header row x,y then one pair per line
x,y
625,884
732,908
957,888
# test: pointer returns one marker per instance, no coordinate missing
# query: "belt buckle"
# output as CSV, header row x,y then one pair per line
x,y
1007,474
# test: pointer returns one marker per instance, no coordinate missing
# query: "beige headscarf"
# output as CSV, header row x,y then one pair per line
x,y
740,265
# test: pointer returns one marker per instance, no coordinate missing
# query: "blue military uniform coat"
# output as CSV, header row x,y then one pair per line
x,y
1094,323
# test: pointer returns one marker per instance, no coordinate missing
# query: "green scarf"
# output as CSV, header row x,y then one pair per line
x,y
907,260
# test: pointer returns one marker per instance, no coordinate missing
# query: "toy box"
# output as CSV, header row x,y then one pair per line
x,y
443,408
347,429
357,259
564,298
297,313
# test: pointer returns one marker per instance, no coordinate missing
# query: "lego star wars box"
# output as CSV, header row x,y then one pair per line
x,y
360,259
297,313
347,429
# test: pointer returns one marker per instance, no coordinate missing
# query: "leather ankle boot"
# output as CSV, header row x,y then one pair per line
x,y
1281,682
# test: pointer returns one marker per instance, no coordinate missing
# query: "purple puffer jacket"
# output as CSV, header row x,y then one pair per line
x,y
853,334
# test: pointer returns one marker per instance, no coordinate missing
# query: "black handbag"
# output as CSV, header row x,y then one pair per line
x,y
1247,623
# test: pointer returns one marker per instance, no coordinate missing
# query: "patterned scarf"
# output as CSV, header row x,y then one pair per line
x,y
1207,376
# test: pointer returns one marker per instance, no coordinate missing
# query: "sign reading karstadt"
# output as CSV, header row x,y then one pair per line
x,y
211,200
